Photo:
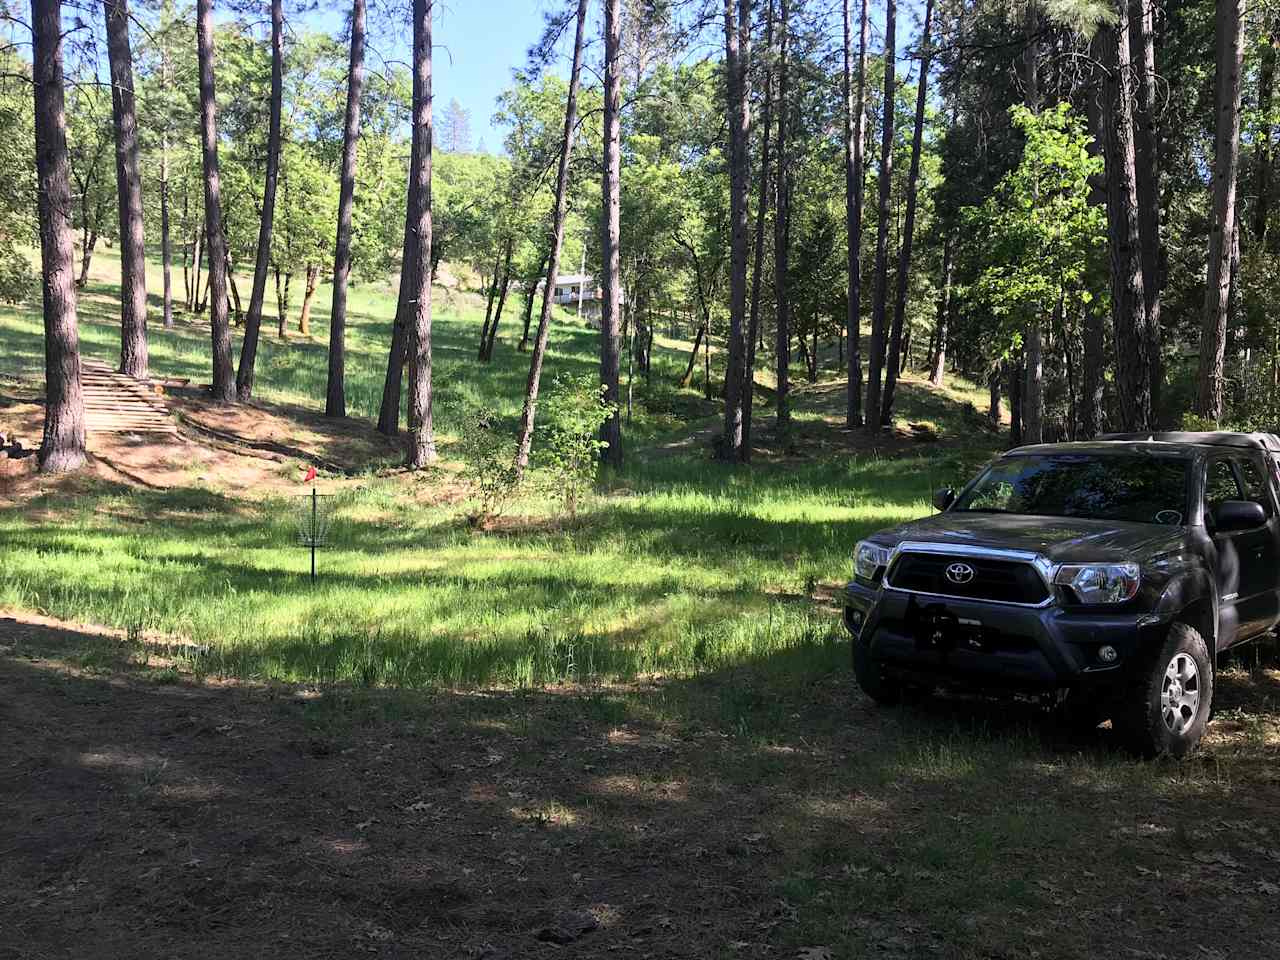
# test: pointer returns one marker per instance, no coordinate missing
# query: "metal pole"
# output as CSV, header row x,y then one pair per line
x,y
314,503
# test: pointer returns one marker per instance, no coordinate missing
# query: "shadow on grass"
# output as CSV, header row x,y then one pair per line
x,y
765,803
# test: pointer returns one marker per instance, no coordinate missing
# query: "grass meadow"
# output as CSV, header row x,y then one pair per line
x,y
677,565
645,714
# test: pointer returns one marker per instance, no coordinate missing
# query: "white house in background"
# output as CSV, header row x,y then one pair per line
x,y
574,288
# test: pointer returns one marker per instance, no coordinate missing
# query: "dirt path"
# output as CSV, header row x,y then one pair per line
x,y
148,815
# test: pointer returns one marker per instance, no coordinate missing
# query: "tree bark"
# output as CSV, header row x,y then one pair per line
x,y
86,255
63,445
693,357
880,289
308,294
1128,300
1229,31
610,203
855,120
529,412
762,210
1266,135
253,322
1147,156
490,299
421,447
737,54
993,396
895,364
224,384
335,403
133,256
782,236
531,291
166,243
938,361
502,301
1033,386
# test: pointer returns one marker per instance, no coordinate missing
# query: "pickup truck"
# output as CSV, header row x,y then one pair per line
x,y
1105,577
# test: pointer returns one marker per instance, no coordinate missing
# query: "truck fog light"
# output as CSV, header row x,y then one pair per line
x,y
1108,654
853,620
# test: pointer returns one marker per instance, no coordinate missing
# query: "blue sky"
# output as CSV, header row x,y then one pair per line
x,y
477,44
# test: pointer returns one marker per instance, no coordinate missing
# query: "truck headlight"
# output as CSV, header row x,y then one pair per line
x,y
1100,582
868,559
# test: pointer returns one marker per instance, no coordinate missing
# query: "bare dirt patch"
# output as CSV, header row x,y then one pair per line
x,y
246,449
151,815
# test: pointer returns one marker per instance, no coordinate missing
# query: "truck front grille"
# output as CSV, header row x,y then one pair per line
x,y
1001,581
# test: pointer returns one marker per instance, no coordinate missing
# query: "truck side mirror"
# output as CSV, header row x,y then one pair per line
x,y
1231,515
944,498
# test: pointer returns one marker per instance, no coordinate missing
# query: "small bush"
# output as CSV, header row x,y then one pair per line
x,y
489,453
575,409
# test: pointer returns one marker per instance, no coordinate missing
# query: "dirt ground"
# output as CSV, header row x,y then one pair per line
x,y
149,814
255,448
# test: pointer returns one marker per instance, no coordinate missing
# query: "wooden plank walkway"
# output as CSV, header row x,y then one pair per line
x,y
115,403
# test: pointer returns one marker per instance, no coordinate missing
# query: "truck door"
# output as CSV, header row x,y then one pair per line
x,y
1258,551
1220,484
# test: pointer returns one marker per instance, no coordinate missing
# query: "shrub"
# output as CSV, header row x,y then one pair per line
x,y
488,452
575,409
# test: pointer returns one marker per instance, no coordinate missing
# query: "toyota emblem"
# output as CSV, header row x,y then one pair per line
x,y
959,573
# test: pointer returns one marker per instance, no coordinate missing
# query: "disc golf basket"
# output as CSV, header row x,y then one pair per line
x,y
312,514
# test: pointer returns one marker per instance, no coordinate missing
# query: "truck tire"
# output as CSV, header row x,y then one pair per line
x,y
1167,700
883,690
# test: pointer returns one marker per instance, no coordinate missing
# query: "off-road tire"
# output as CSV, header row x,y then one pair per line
x,y
883,690
1156,715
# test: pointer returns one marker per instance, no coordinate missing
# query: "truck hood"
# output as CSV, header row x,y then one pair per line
x,y
1059,539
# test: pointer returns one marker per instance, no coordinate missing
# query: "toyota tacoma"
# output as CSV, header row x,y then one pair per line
x,y
1106,577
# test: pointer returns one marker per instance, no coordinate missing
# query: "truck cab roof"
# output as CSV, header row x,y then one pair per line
x,y
1185,443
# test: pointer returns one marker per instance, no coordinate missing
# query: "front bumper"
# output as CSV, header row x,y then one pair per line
x,y
981,644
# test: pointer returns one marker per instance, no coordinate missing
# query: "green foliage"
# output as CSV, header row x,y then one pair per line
x,y
17,183
1036,243
573,413
488,451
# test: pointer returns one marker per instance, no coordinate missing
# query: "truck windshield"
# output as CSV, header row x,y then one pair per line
x,y
1140,489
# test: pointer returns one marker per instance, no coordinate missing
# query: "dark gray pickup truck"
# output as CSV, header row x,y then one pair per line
x,y
1105,576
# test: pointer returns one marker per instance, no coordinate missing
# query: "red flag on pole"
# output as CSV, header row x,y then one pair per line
x,y
311,475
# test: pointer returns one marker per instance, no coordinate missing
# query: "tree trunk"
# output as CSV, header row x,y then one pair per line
x,y
502,301
1128,300
855,120
335,403
1147,158
490,299
1016,377
762,210
1266,143
737,38
1229,32
63,446
304,319
895,364
166,243
235,294
1033,386
282,301
693,357
993,396
531,291
938,361
421,448
879,293
224,384
253,322
557,239
782,237
86,255
197,264
133,257
610,203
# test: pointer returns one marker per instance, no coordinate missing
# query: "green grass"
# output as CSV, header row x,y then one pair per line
x,y
680,566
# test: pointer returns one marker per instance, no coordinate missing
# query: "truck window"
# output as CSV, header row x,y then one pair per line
x,y
1219,485
1255,487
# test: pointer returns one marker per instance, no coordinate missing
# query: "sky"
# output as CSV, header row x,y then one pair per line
x,y
477,43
